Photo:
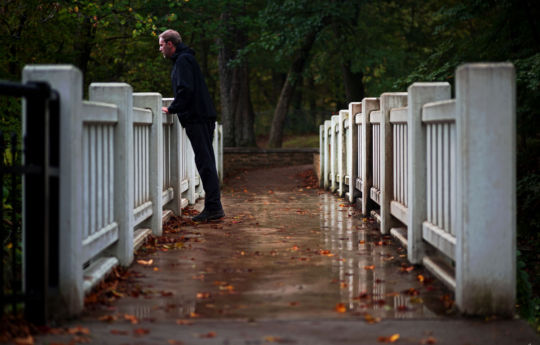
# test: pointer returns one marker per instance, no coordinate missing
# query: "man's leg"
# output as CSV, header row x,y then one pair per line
x,y
200,136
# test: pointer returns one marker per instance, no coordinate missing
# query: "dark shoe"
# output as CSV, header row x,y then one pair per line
x,y
206,216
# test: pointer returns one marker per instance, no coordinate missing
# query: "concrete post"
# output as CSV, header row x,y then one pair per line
x,y
418,95
341,151
368,105
352,149
121,94
486,189
389,100
333,153
326,164
175,155
321,156
192,173
220,156
152,101
68,81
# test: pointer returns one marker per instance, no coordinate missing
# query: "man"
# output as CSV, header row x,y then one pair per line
x,y
196,113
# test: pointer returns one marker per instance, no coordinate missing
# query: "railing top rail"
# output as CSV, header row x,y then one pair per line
x,y
375,117
398,115
99,112
142,116
442,111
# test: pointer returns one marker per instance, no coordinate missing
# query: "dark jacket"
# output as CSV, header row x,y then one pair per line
x,y
191,101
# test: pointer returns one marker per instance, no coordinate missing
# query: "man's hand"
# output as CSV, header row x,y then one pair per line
x,y
165,110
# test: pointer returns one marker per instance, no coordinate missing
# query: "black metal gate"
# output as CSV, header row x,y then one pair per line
x,y
29,182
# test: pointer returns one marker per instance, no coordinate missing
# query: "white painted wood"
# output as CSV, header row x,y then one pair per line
x,y
341,151
440,239
143,212
121,95
97,271
326,156
355,108
139,236
97,112
486,194
141,115
441,111
399,211
440,271
387,102
68,81
365,162
98,241
400,234
398,115
419,162
152,103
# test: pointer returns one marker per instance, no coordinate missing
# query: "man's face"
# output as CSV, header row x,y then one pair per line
x,y
166,48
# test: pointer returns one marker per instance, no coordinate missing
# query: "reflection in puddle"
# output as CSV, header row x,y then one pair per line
x,y
367,270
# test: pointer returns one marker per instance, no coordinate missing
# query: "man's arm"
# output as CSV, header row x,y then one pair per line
x,y
184,87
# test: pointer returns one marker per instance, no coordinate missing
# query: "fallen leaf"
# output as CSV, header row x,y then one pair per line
x,y
340,308
108,318
372,267
391,339
131,318
145,262
141,331
29,340
420,278
429,341
203,295
174,342
208,335
370,319
78,330
156,269
119,332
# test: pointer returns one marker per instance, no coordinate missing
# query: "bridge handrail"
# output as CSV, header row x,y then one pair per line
x,y
439,173
124,167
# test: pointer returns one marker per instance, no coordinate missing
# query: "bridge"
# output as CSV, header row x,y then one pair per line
x,y
419,212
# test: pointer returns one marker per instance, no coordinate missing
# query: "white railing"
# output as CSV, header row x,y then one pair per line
x,y
439,175
125,167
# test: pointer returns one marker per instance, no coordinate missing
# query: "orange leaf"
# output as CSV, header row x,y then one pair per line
x,y
78,330
108,318
145,262
131,318
208,335
391,339
340,308
29,340
141,331
370,319
174,342
119,332
372,267
420,278
429,341
203,295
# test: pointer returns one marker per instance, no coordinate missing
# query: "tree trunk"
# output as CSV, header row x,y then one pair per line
x,y
354,86
225,82
287,91
243,109
237,113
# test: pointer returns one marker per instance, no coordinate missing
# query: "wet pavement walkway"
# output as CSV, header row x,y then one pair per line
x,y
289,264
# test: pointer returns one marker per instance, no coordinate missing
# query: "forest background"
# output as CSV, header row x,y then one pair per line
x,y
278,68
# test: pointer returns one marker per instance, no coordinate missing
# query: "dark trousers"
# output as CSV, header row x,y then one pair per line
x,y
200,135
